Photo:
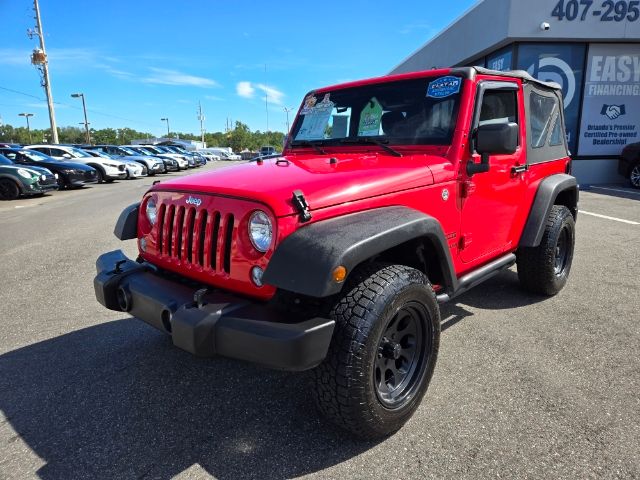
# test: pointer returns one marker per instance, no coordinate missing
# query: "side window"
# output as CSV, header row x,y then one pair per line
x,y
56,152
44,150
542,110
499,106
556,134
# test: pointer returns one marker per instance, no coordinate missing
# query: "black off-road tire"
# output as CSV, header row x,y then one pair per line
x,y
634,175
348,385
545,269
9,189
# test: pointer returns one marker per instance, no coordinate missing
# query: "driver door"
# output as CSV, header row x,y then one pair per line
x,y
492,199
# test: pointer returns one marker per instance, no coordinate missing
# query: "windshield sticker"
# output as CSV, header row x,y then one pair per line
x,y
316,118
444,87
370,119
309,103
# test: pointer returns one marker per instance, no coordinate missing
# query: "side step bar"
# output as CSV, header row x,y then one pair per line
x,y
478,276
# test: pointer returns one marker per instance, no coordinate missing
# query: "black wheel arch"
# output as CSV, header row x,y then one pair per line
x,y
20,185
98,167
303,263
559,189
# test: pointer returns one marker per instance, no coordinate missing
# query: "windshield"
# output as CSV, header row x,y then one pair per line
x,y
407,112
126,150
76,152
36,156
5,161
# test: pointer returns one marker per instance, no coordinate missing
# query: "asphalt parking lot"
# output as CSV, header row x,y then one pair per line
x,y
525,386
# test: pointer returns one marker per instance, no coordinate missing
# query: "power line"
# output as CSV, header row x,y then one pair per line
x,y
97,112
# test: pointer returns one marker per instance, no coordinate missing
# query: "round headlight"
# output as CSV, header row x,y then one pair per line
x,y
24,173
43,177
260,231
151,211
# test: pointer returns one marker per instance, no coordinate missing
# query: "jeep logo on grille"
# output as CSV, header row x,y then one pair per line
x,y
194,201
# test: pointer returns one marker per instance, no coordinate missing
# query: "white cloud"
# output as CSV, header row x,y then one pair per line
x,y
248,90
273,94
162,76
244,89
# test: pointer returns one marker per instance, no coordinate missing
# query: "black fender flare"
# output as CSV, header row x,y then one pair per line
x,y
546,195
127,225
304,262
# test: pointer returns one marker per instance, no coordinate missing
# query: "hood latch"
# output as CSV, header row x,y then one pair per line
x,y
300,203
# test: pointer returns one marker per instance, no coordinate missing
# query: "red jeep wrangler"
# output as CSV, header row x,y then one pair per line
x,y
392,195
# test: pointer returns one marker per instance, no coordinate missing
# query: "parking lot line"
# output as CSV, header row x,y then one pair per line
x,y
632,192
630,222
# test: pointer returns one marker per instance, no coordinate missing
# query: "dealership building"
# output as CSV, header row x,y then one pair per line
x,y
590,47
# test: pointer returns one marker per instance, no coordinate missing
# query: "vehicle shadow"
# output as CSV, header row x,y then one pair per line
x,y
500,292
617,191
117,400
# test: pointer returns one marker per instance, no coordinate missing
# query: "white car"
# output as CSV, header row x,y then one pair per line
x,y
134,169
183,163
224,154
107,168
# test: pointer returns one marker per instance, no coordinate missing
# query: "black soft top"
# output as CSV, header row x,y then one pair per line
x,y
470,72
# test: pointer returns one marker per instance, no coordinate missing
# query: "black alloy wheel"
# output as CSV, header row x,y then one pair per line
x,y
634,175
562,251
401,354
9,190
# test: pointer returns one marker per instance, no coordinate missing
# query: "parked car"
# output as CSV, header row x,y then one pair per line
x,y
175,164
152,165
134,169
335,255
16,180
199,160
629,164
107,169
161,149
70,174
224,154
267,150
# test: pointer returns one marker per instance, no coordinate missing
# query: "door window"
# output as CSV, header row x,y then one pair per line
x,y
499,106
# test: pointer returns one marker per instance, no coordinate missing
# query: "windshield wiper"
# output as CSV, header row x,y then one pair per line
x,y
308,143
373,141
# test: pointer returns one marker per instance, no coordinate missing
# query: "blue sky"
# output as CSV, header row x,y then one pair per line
x,y
138,61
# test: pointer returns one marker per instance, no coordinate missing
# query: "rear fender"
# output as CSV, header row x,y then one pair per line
x,y
556,189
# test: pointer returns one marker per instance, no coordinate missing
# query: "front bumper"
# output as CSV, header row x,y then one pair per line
x,y
211,322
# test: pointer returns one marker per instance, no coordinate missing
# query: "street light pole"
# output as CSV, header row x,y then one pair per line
x,y
86,122
287,110
166,120
39,58
27,115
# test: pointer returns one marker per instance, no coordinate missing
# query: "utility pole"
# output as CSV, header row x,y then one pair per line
x,y
166,120
86,122
287,110
266,98
27,115
39,59
201,118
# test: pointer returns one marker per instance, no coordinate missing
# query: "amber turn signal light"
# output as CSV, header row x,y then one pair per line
x,y
339,274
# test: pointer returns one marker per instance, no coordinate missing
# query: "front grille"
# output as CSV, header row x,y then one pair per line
x,y
196,236
121,168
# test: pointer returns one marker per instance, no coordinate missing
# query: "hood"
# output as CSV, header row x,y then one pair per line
x,y
60,165
323,182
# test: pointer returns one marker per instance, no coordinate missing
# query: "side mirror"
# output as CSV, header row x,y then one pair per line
x,y
493,139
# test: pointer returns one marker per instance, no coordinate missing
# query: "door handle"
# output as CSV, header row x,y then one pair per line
x,y
519,169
